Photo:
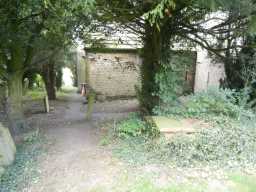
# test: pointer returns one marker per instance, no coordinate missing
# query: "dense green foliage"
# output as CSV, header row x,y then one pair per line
x,y
226,144
164,24
132,126
31,32
175,78
209,103
243,183
227,139
231,138
241,69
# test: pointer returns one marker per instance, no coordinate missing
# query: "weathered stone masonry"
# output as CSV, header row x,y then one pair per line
x,y
113,73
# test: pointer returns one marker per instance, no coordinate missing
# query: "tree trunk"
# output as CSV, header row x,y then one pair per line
x,y
15,108
58,80
151,64
15,68
49,78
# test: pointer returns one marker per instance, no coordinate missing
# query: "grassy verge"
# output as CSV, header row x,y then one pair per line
x,y
146,185
227,145
34,94
24,171
41,93
243,183
229,142
236,183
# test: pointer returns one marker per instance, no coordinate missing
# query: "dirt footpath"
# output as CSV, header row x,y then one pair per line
x,y
75,161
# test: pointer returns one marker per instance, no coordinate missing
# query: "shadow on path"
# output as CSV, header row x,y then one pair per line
x,y
76,162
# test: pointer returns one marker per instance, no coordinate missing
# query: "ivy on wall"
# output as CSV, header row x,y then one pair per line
x,y
176,77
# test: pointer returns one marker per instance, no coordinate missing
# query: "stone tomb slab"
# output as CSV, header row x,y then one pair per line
x,y
171,126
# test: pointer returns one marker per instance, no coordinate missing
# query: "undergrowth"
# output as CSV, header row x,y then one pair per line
x,y
208,105
229,141
40,93
132,126
144,184
243,183
24,170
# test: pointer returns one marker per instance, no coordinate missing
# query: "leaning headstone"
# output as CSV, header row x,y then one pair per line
x,y
34,106
7,147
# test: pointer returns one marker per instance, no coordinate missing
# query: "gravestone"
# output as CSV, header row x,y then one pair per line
x,y
7,147
34,106
170,127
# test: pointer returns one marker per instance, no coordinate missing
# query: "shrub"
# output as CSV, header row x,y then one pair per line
x,y
212,102
228,144
132,126
231,139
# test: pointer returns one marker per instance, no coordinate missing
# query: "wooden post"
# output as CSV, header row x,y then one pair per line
x,y
46,104
91,100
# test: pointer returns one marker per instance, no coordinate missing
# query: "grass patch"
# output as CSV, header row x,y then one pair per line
x,y
65,91
35,94
146,185
25,169
243,183
133,126
229,142
104,141
226,145
141,151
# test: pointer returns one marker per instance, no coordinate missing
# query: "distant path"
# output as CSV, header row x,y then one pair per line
x,y
76,162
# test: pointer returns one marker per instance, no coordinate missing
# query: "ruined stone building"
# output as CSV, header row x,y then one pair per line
x,y
114,71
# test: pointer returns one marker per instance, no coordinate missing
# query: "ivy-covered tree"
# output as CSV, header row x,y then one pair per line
x,y
162,24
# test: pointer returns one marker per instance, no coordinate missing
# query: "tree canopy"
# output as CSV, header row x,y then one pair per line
x,y
34,30
28,26
215,25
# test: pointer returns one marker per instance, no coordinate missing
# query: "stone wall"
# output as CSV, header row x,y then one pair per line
x,y
208,73
113,73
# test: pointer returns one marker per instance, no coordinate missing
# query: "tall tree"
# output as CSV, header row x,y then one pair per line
x,y
24,23
189,23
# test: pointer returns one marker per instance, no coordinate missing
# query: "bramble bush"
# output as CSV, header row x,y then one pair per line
x,y
135,126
